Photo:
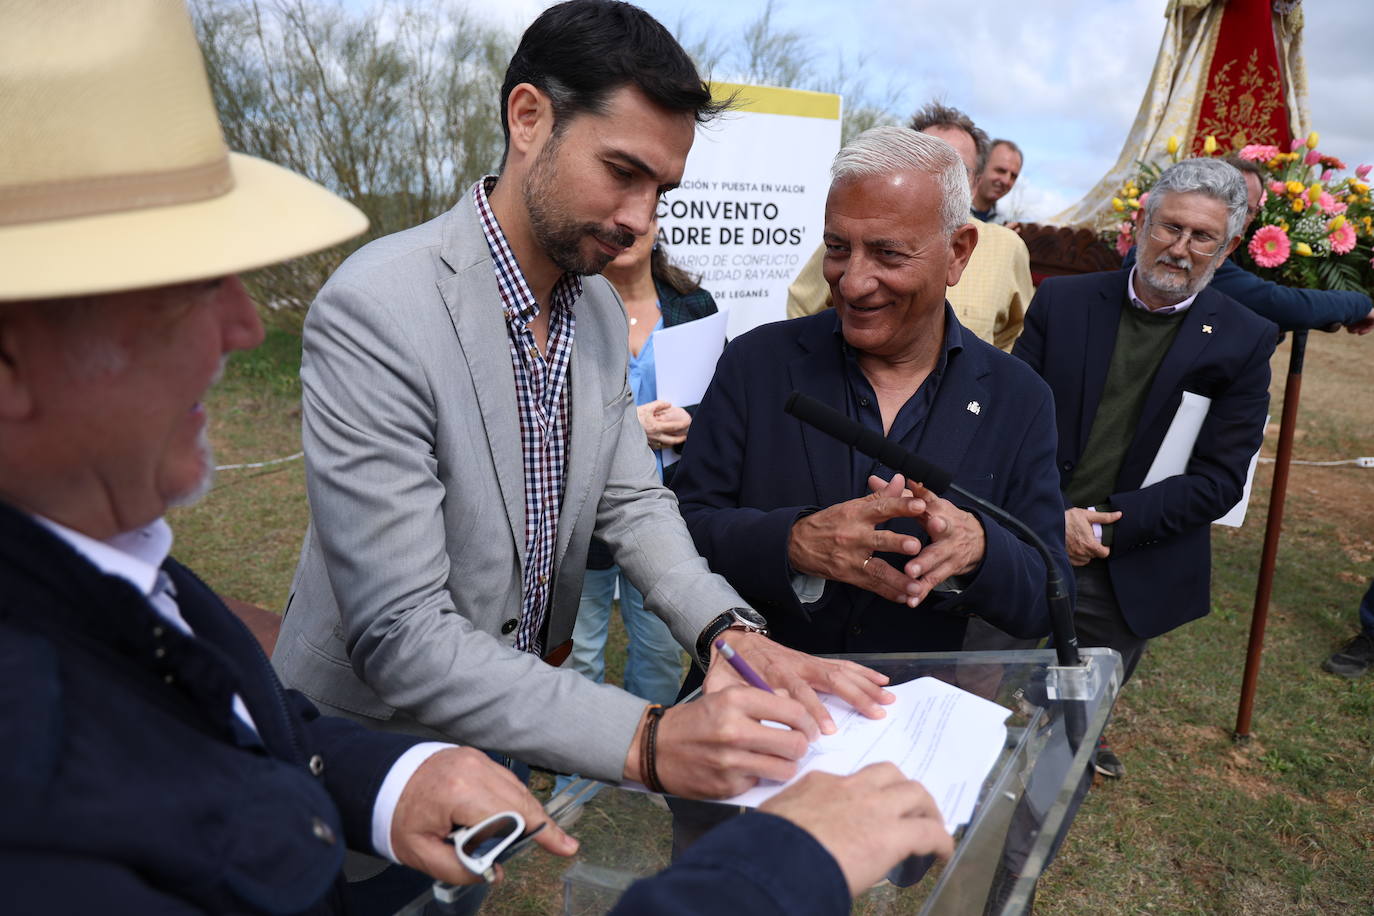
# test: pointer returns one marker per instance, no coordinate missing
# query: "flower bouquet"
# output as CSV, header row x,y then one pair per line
x,y
1314,229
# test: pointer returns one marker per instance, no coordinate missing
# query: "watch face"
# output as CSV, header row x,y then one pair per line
x,y
750,616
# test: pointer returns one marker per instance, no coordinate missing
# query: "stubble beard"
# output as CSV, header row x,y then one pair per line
x,y
554,231
1183,287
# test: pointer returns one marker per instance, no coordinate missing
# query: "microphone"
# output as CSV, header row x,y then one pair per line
x,y
938,480
837,426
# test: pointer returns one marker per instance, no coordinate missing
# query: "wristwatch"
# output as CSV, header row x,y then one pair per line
x,y
737,618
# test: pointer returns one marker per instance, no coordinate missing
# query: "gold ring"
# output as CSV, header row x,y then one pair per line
x,y
866,560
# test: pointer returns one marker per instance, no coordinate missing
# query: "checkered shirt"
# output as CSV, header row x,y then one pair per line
x,y
541,390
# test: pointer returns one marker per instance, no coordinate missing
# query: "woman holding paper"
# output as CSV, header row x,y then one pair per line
x,y
656,295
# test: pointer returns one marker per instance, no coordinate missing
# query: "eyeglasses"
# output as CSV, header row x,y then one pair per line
x,y
480,847
1203,243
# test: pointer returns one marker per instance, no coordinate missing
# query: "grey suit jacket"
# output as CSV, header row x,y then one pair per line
x,y
412,562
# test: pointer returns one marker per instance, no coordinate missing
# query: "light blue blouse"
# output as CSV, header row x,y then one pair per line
x,y
643,381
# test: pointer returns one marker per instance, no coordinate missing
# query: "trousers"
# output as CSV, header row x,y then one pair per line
x,y
1098,621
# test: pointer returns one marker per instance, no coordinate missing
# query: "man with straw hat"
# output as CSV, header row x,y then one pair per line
x,y
150,751
153,762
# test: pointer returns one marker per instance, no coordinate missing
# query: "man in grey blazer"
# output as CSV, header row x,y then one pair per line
x,y
463,445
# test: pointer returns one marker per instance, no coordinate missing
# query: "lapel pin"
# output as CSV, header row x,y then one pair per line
x,y
974,407
1206,329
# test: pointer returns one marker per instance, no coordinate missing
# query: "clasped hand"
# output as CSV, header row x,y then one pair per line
x,y
664,424
839,542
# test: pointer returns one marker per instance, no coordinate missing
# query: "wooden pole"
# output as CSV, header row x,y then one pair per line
x,y
1274,525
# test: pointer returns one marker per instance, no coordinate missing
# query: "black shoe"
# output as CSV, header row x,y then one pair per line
x,y
1355,659
1106,762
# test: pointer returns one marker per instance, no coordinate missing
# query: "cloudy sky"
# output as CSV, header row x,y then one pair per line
x,y
1064,78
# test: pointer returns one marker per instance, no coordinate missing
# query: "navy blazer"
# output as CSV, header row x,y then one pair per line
x,y
1160,561
129,785
757,863
750,471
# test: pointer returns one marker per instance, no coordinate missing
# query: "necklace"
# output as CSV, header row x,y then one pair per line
x,y
633,321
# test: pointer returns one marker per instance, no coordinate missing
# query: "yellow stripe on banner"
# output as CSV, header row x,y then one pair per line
x,y
772,100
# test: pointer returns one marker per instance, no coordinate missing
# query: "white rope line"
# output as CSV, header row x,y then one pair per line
x,y
1358,462
258,464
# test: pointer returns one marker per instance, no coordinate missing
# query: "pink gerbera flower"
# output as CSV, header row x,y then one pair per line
x,y
1327,202
1124,241
1278,187
1342,240
1257,153
1269,246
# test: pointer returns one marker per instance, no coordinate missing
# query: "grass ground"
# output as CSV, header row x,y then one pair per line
x,y
1281,824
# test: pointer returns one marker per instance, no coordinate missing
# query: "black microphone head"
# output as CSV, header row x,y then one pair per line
x,y
835,424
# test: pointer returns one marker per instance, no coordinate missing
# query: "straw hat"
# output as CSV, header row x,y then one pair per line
x,y
113,170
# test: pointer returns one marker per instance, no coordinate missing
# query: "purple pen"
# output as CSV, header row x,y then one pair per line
x,y
739,664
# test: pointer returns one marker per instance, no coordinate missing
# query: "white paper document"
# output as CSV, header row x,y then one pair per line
x,y
1236,517
1177,447
945,738
685,357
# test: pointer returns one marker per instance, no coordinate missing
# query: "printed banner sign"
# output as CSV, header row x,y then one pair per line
x,y
752,201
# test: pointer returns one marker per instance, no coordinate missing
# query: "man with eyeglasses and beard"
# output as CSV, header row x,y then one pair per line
x,y
1120,350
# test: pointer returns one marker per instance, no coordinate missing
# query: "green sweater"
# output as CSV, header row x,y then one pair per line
x,y
1142,339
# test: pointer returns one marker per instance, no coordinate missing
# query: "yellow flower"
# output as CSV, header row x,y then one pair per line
x,y
1314,193
1336,223
1209,146
1295,188
1117,205
1283,224
1360,187
1298,204
1303,248
1312,139
1172,145
1134,203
